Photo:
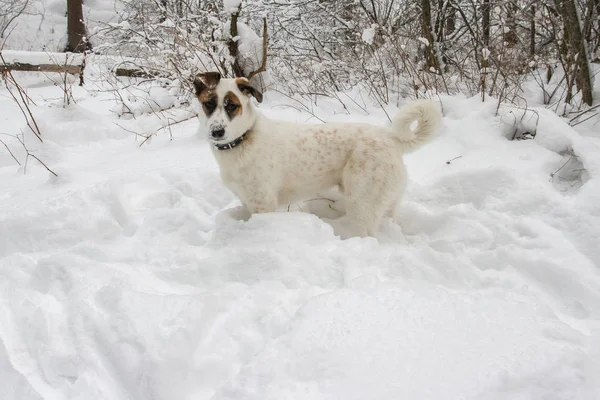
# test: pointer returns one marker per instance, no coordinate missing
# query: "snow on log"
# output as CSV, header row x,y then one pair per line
x,y
34,61
71,63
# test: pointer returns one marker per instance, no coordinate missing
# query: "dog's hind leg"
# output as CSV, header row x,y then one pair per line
x,y
372,186
366,201
393,210
363,218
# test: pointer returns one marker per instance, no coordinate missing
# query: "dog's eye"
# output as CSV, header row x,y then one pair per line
x,y
230,107
210,105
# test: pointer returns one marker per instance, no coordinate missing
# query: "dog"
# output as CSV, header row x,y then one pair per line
x,y
270,163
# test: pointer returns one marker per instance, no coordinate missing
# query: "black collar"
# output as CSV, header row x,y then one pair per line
x,y
234,143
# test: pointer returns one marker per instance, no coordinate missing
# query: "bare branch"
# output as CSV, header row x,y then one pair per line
x,y
263,66
10,152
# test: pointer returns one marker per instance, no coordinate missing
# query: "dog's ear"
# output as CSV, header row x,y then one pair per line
x,y
206,81
246,87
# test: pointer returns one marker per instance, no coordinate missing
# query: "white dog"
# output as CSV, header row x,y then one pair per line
x,y
268,163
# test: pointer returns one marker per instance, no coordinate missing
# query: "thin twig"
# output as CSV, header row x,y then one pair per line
x,y
455,158
583,113
30,154
10,152
176,122
23,104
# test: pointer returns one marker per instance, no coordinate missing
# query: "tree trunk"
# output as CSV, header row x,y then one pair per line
x,y
532,31
439,21
591,26
485,26
179,5
576,48
485,23
430,56
450,21
596,28
77,41
232,46
164,11
511,37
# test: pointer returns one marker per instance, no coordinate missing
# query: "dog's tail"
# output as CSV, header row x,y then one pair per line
x,y
426,114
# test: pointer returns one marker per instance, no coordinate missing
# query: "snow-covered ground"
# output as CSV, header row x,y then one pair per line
x,y
131,275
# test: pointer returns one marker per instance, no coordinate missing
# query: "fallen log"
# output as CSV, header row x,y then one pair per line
x,y
18,66
138,73
12,60
70,63
37,61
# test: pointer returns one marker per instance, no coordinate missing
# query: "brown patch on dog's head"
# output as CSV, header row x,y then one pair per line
x,y
232,105
246,87
205,85
206,81
208,99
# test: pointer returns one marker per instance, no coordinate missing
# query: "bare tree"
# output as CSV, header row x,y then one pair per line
x,y
576,51
450,19
323,47
532,31
591,26
510,34
485,21
430,52
233,46
77,40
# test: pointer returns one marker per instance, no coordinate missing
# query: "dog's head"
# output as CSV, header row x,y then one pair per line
x,y
226,106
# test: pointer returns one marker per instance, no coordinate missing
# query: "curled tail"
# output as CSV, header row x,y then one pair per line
x,y
428,116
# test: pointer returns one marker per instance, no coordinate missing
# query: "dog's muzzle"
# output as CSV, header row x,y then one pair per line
x,y
217,133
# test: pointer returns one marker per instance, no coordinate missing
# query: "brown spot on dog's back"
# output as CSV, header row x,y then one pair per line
x,y
301,143
233,106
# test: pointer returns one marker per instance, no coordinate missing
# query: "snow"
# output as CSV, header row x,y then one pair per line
x,y
395,333
144,99
39,57
134,274
250,47
485,53
232,6
368,35
423,40
168,23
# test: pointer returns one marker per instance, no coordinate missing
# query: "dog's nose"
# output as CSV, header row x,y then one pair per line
x,y
218,133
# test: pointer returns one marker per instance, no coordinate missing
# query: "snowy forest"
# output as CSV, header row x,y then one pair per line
x,y
387,48
127,270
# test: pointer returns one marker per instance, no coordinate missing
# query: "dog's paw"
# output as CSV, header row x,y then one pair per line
x,y
239,213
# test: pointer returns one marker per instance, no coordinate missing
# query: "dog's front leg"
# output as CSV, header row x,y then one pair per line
x,y
259,207
261,201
